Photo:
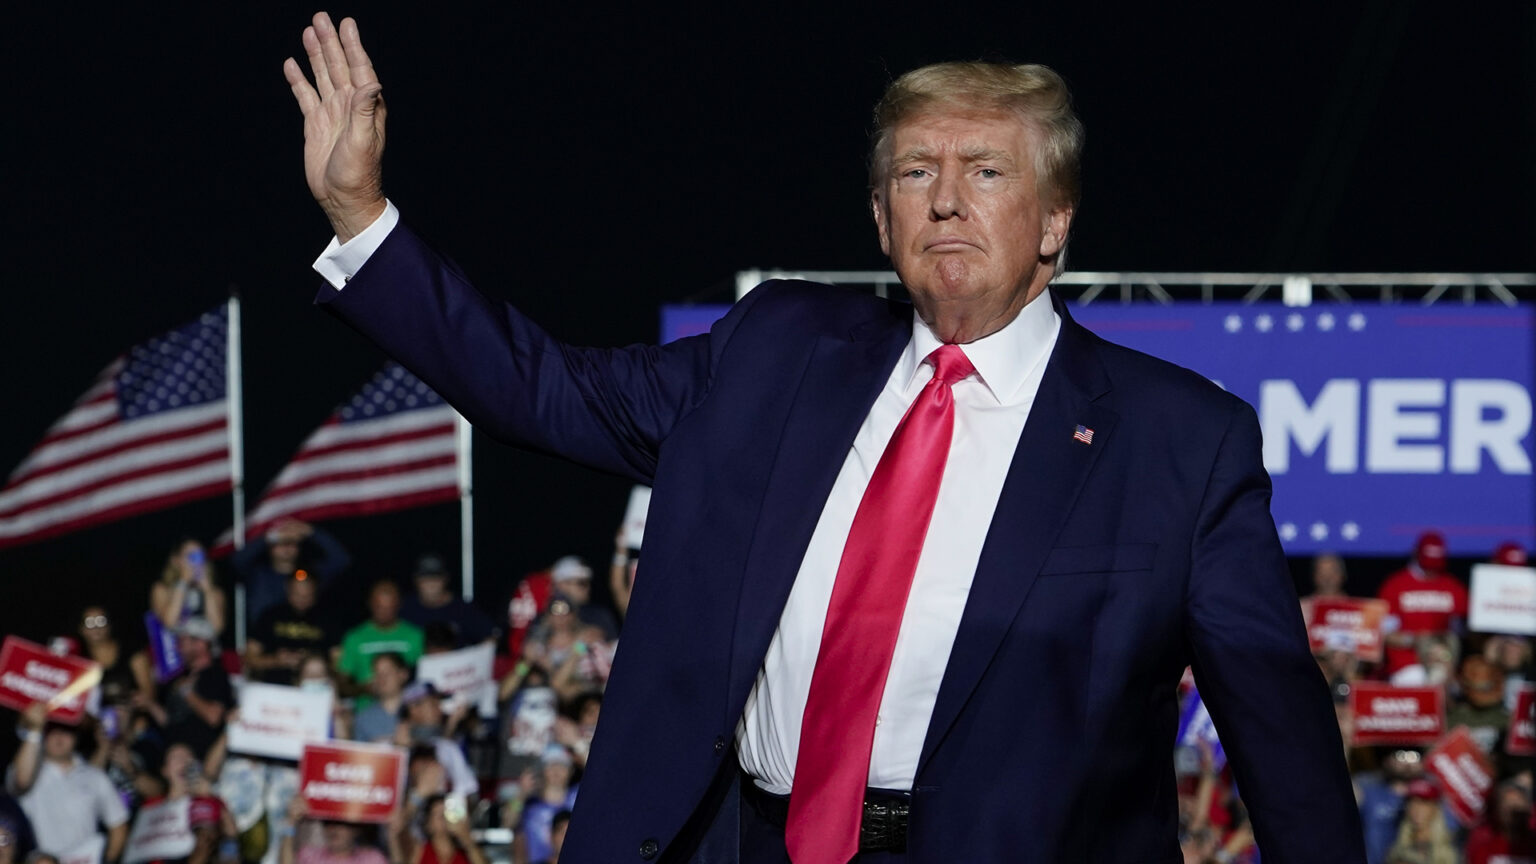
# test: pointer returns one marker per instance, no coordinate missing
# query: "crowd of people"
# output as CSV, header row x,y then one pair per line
x,y
158,734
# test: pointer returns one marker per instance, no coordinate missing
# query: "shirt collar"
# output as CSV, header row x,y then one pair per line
x,y
1003,360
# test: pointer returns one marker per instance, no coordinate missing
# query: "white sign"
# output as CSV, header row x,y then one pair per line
x,y
162,832
464,674
1503,599
276,721
634,516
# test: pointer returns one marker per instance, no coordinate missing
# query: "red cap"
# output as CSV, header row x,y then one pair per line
x,y
1429,551
1422,788
1511,555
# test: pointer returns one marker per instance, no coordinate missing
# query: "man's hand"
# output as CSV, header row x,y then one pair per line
x,y
343,125
33,718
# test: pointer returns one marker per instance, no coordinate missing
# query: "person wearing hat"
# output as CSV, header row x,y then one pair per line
x,y
1511,555
1423,837
66,799
434,603
424,722
1422,599
191,707
556,793
573,579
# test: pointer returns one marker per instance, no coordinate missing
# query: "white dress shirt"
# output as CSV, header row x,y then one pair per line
x,y
991,408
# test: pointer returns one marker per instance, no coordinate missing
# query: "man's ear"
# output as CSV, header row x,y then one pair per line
x,y
1054,238
882,221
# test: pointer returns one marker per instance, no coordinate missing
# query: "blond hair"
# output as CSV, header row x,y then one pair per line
x,y
1036,92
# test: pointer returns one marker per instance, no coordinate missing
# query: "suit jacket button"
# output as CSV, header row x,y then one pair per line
x,y
719,744
649,847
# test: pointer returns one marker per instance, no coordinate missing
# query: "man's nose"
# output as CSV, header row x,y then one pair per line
x,y
948,196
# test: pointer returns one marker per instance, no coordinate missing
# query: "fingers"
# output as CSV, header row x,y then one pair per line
x,y
359,67
303,93
330,49
317,63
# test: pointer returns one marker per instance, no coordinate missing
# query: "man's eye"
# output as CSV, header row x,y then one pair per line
x,y
915,173
990,173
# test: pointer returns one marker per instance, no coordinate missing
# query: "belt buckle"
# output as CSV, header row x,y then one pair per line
x,y
884,826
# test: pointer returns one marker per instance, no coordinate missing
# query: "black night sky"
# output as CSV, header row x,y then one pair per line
x,y
590,165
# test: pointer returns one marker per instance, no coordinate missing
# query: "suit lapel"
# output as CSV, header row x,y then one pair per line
x,y
840,382
1048,469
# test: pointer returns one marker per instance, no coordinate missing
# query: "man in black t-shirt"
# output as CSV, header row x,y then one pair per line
x,y
193,705
285,633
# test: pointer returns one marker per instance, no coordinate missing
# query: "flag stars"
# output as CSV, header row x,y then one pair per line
x,y
1288,531
1294,322
1263,323
1350,531
1356,321
1318,531
1325,322
1232,323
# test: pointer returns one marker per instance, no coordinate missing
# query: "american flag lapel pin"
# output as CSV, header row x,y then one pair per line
x,y
1083,434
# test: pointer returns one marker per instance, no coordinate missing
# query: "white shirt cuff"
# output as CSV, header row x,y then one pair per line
x,y
341,261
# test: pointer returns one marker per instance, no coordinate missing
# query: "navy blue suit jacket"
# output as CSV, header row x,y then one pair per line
x,y
1108,567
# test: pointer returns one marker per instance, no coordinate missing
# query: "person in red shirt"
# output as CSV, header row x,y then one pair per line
x,y
1506,838
1423,600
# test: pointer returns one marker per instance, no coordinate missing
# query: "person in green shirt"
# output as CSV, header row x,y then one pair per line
x,y
384,632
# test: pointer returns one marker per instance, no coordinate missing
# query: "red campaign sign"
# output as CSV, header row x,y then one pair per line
x,y
31,673
1413,716
1521,740
351,782
1353,621
1464,773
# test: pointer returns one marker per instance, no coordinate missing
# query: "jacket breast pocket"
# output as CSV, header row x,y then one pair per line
x,y
1103,558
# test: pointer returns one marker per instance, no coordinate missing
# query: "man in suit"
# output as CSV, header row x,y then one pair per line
x,y
969,650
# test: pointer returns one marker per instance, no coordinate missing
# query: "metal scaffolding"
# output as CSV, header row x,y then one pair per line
x,y
1293,289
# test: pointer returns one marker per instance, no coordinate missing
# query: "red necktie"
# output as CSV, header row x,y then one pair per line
x,y
863,618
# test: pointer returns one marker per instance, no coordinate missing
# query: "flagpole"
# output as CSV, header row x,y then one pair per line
x,y
235,394
462,431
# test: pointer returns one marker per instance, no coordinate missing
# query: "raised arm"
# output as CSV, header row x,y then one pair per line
x,y
343,125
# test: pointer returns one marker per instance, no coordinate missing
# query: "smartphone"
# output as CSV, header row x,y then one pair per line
x,y
455,809
109,724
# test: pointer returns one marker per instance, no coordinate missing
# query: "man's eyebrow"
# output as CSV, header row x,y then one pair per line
x,y
972,154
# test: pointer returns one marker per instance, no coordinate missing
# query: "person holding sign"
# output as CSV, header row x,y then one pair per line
x,y
340,844
66,799
183,826
920,573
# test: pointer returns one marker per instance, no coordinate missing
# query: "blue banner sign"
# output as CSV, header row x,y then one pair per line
x,y
1379,421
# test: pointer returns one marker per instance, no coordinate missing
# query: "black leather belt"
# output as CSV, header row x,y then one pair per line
x,y
883,828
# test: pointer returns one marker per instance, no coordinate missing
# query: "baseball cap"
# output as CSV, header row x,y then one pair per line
x,y
1511,555
570,567
430,565
1422,788
197,628
1429,551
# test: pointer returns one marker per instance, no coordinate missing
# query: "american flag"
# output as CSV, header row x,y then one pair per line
x,y
393,445
1083,434
151,433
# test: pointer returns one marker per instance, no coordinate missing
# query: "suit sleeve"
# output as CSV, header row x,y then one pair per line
x,y
609,409
1255,669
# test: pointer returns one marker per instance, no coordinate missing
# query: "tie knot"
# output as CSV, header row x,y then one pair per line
x,y
950,364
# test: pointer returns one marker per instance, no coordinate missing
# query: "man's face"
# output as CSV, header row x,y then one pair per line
x,y
284,553
962,220
59,744
301,594
384,604
578,588
431,588
1328,574
388,679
